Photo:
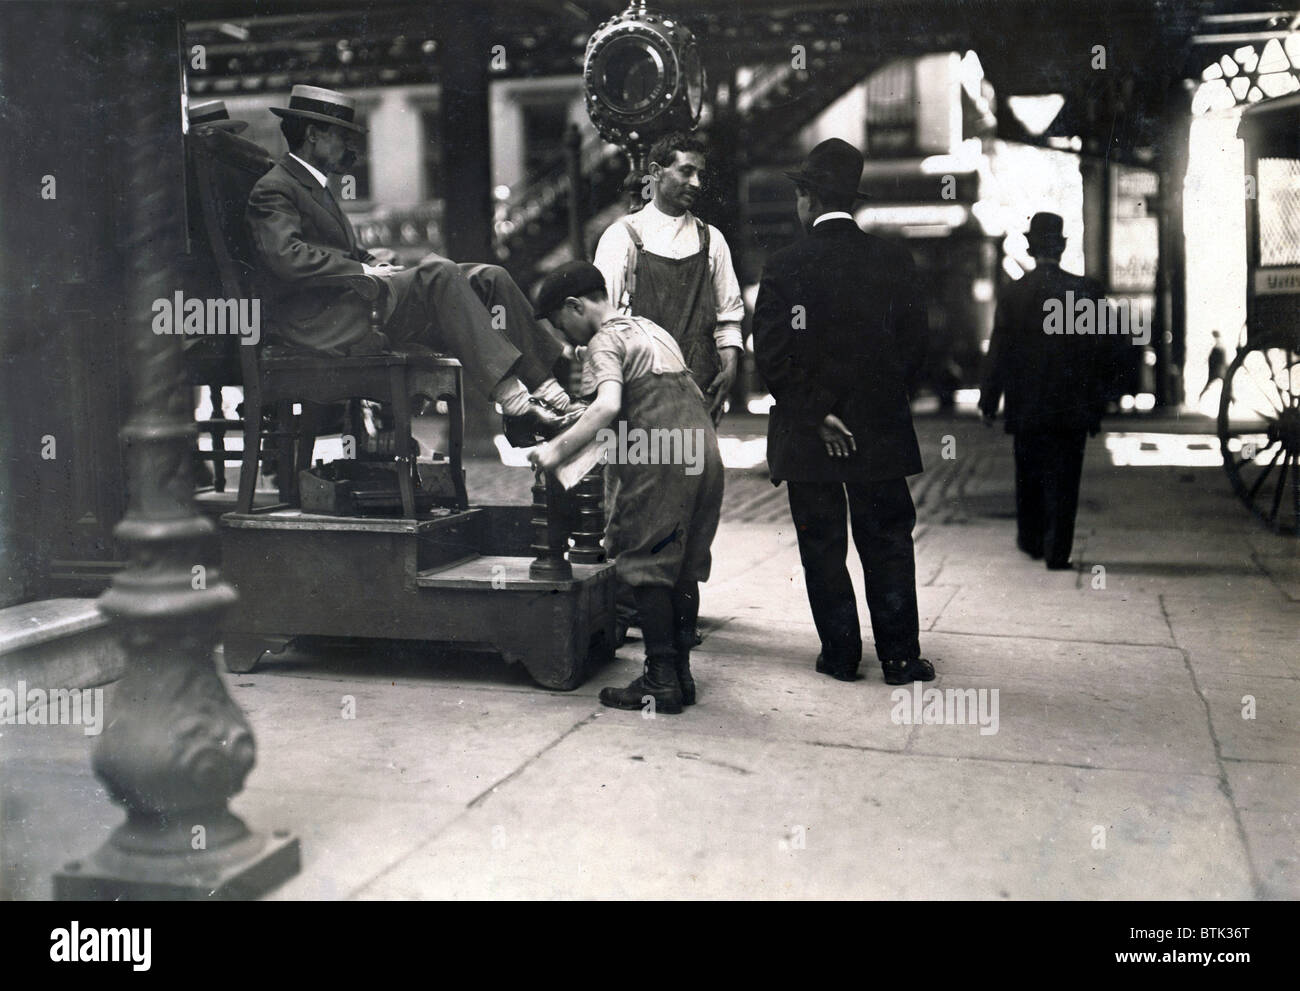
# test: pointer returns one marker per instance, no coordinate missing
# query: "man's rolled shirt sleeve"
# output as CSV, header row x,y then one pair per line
x,y
276,228
611,259
726,294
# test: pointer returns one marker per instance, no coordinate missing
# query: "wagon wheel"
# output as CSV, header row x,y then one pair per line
x,y
1259,433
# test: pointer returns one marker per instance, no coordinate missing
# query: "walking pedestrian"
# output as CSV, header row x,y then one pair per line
x,y
1053,383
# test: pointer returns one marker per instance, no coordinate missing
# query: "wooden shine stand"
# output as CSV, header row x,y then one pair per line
x,y
459,575
490,577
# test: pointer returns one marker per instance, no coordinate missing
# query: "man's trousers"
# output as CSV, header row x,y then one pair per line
x,y
882,516
1049,465
475,313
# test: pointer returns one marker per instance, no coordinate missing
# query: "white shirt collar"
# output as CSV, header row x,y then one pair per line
x,y
316,173
656,216
833,215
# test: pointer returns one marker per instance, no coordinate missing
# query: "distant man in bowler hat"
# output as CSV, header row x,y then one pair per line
x,y
300,231
839,331
1055,394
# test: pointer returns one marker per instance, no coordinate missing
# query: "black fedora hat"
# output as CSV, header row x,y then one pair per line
x,y
214,112
834,166
1046,230
326,106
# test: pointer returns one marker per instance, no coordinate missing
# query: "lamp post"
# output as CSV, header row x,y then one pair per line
x,y
177,748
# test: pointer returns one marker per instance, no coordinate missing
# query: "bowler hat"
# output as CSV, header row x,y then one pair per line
x,y
1046,231
214,112
325,106
575,278
834,166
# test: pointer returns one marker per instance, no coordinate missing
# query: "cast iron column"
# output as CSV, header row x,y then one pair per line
x,y
573,166
176,747
1171,354
465,134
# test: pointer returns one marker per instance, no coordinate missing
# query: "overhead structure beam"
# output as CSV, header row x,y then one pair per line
x,y
465,134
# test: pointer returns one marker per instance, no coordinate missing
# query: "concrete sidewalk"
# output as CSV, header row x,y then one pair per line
x,y
1122,765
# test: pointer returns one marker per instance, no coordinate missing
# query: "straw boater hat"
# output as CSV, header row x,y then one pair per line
x,y
834,166
214,113
322,105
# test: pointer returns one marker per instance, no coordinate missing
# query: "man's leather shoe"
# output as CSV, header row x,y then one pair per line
x,y
839,671
549,406
906,672
1060,565
538,424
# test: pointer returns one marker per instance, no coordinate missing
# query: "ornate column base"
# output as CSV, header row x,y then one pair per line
x,y
239,871
176,748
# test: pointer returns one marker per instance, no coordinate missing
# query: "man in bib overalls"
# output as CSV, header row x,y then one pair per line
x,y
665,264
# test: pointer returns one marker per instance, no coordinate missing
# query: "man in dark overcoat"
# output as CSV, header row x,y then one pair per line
x,y
1050,364
839,332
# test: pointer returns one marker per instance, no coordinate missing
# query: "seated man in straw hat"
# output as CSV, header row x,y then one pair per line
x,y
299,231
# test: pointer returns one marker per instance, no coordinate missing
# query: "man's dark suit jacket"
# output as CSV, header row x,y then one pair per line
x,y
298,231
1051,381
839,327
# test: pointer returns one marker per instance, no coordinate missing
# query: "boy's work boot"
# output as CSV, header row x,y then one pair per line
x,y
685,641
658,681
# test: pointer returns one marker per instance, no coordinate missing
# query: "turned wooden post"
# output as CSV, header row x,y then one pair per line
x,y
550,534
588,519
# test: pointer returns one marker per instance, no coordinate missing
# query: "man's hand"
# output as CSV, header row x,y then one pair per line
x,y
544,456
836,437
720,388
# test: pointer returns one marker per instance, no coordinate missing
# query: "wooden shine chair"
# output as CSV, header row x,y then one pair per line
x,y
277,377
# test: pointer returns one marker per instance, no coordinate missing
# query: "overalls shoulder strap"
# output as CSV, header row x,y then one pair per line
x,y
659,347
631,232
635,246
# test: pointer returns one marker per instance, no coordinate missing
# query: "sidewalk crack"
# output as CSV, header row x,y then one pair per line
x,y
1225,785
477,800
484,795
